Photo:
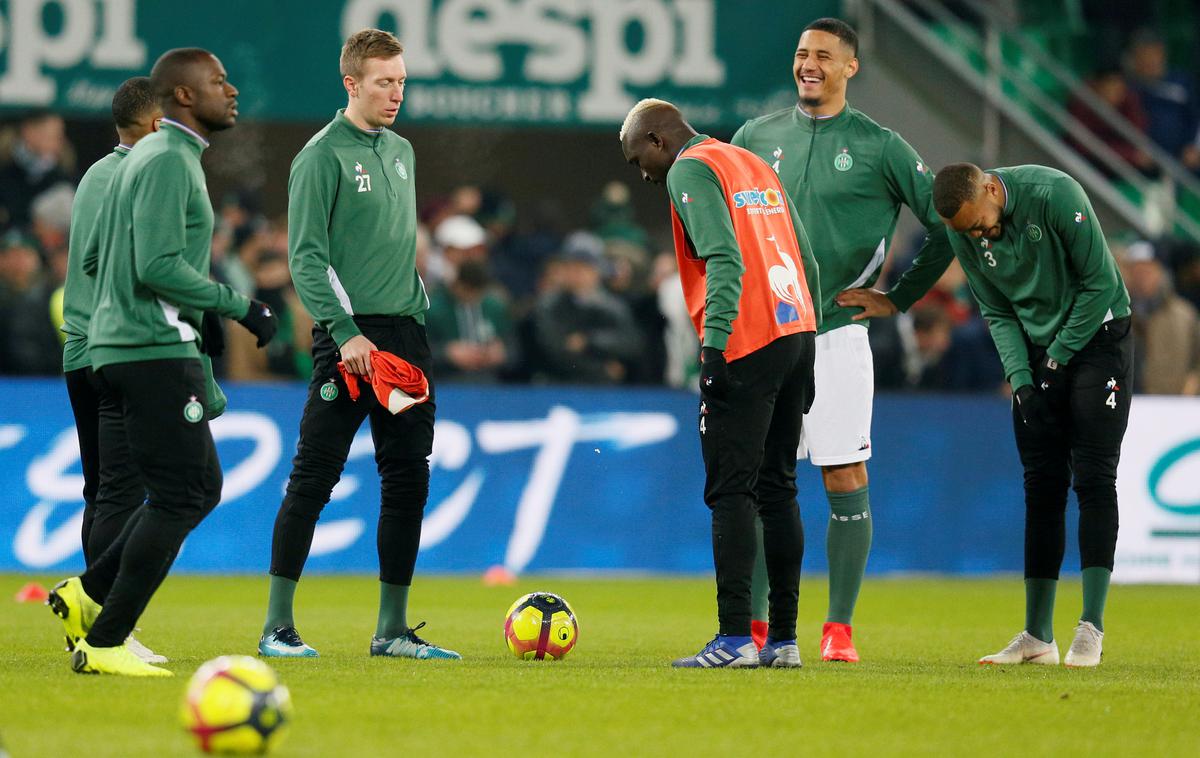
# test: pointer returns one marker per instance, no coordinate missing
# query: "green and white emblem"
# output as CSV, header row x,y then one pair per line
x,y
843,161
1033,232
401,170
329,391
193,412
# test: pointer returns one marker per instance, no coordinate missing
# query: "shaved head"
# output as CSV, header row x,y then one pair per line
x,y
181,67
191,85
652,135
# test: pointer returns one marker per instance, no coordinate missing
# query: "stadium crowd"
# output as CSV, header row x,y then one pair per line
x,y
521,300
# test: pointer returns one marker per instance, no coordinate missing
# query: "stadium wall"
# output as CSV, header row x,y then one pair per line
x,y
547,479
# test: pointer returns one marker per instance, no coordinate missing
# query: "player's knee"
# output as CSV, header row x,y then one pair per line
x,y
846,477
404,484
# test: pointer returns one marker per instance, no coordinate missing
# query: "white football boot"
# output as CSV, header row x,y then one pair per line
x,y
1025,648
142,652
1085,650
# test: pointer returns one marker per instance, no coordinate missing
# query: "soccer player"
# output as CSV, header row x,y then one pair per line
x,y
353,223
1036,260
746,270
106,508
848,177
150,256
137,113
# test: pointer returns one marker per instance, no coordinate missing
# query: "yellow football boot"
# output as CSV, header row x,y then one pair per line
x,y
77,611
117,660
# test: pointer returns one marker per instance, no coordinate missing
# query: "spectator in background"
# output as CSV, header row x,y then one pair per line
x,y
458,239
523,254
682,354
1111,86
1167,329
28,343
289,355
469,329
613,219
40,158
1185,265
585,335
1168,97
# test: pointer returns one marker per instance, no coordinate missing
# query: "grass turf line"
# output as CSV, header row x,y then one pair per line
x,y
918,691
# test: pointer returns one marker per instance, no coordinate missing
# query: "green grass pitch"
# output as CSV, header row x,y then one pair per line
x,y
918,692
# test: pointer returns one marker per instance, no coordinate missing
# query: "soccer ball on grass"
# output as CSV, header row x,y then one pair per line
x,y
235,704
540,626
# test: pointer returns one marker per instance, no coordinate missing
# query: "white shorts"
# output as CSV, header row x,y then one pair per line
x,y
837,429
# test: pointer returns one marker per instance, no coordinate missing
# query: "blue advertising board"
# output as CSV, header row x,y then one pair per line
x,y
536,479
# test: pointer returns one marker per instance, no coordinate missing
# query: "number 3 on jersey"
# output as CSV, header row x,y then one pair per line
x,y
991,259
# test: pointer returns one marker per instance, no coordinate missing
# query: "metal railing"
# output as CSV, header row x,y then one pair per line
x,y
1156,214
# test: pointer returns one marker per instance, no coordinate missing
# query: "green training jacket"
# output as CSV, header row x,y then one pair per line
x,y
150,254
1050,277
848,177
78,299
352,227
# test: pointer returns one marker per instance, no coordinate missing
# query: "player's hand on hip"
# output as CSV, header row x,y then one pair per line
x,y
260,321
356,354
714,374
874,303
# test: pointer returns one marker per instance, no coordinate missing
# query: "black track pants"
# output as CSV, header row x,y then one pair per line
x,y
403,444
1082,450
749,443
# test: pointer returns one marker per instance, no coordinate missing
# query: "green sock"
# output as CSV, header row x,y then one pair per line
x,y
1095,593
393,610
1039,608
279,604
847,544
760,586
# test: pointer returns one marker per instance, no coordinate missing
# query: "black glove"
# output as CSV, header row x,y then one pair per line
x,y
1031,404
261,321
1048,375
212,335
714,374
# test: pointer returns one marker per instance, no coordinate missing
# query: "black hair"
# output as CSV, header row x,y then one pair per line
x,y
134,99
173,69
839,29
954,185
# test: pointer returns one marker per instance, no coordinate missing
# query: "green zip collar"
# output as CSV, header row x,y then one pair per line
x,y
1008,195
178,131
368,137
800,118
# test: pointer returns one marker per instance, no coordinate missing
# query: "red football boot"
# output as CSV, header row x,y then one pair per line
x,y
758,633
836,644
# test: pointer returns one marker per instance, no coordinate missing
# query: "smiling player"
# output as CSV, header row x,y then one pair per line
x,y
848,177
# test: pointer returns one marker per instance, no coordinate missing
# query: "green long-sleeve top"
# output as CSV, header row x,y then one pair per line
x,y
150,254
716,244
78,295
848,177
1050,277
352,226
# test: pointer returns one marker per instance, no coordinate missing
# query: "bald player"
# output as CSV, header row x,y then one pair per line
x,y
746,270
150,257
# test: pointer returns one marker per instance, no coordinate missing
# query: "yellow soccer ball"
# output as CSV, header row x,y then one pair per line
x,y
540,626
235,705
